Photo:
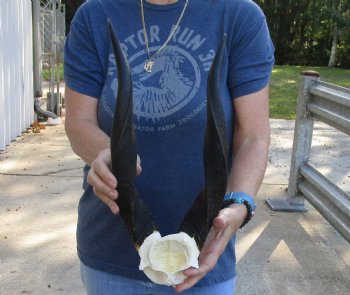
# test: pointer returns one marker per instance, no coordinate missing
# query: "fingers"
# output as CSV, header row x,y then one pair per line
x,y
206,265
224,226
188,283
103,181
196,274
212,249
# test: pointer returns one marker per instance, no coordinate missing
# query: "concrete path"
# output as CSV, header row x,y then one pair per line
x,y
277,253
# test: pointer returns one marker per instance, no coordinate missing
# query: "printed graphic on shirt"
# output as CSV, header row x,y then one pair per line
x,y
164,97
167,88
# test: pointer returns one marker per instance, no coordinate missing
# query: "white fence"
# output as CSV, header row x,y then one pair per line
x,y
16,69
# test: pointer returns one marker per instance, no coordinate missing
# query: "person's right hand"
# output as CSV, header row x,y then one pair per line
x,y
101,178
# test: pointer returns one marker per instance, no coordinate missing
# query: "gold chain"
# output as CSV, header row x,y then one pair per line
x,y
150,62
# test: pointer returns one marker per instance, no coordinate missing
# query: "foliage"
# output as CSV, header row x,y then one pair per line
x,y
302,33
47,72
303,30
284,87
71,7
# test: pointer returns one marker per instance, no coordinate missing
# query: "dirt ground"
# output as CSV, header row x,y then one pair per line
x,y
278,253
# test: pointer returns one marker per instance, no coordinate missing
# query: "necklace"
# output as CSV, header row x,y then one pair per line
x,y
150,62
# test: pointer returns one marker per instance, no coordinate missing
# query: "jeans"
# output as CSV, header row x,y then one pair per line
x,y
101,283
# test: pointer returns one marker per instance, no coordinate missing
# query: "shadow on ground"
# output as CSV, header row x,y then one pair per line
x,y
277,253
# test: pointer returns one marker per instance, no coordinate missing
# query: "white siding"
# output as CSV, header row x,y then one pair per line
x,y
16,69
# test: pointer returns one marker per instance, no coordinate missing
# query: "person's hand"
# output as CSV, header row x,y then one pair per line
x,y
103,181
225,225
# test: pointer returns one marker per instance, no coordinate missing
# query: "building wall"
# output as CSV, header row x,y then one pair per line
x,y
16,69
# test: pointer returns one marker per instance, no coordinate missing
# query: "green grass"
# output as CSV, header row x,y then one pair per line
x,y
284,87
46,73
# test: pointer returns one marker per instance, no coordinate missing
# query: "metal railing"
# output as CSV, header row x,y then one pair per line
x,y
330,104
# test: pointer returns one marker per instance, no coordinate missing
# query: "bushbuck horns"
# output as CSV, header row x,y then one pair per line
x,y
136,217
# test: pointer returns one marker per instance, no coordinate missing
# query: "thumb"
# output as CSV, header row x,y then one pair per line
x,y
220,221
230,217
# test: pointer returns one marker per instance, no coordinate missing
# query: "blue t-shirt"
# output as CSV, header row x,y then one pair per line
x,y
169,107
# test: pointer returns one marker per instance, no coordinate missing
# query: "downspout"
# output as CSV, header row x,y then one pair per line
x,y
37,65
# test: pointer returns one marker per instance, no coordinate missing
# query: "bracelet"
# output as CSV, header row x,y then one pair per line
x,y
241,198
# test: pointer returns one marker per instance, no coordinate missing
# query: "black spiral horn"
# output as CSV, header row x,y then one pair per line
x,y
137,219
206,207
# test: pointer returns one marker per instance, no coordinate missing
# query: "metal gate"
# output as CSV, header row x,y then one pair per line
x,y
329,104
53,31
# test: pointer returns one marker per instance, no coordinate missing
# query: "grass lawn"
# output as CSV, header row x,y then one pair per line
x,y
284,87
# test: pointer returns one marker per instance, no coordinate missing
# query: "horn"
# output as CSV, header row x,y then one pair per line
x,y
198,221
135,215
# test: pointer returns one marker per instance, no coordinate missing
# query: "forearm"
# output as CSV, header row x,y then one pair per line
x,y
81,124
248,166
251,142
86,139
250,147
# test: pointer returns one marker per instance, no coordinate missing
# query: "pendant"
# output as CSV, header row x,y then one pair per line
x,y
148,66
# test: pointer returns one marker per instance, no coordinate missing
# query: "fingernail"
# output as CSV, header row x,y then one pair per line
x,y
115,210
113,194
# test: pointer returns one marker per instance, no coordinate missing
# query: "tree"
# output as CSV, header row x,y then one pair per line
x,y
71,8
309,32
339,23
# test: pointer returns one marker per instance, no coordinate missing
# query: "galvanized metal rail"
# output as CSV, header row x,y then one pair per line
x,y
317,100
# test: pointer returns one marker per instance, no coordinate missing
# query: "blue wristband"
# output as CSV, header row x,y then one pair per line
x,y
241,198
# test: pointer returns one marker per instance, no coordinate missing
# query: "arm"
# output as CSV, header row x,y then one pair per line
x,y
250,150
90,143
81,126
250,143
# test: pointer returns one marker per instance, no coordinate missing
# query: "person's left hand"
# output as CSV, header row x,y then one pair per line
x,y
225,225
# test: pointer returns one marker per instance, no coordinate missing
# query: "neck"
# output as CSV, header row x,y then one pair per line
x,y
161,2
